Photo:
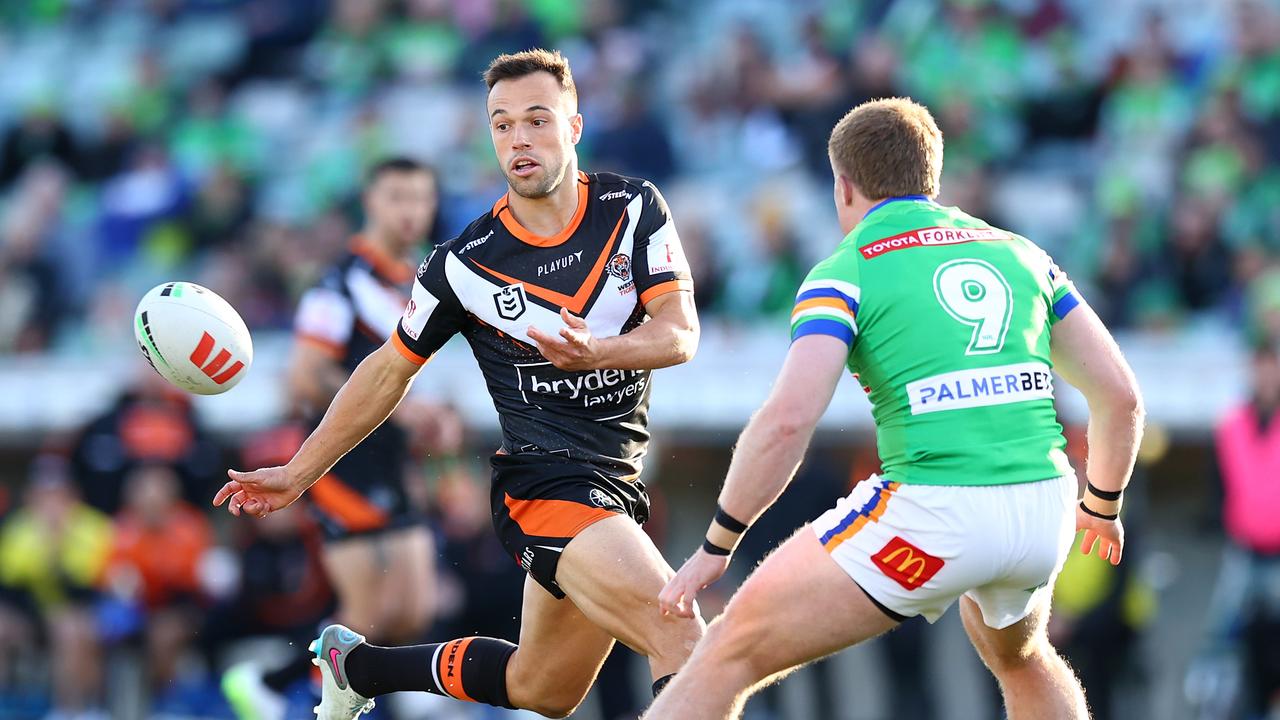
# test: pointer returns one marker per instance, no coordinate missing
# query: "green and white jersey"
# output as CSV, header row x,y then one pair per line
x,y
947,321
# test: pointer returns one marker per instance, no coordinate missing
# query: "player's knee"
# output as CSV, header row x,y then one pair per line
x,y
673,637
554,707
734,641
1014,658
532,685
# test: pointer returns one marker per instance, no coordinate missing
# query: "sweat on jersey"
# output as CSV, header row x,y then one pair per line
x,y
947,320
618,253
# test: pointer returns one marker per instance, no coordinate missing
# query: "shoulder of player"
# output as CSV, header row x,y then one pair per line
x,y
480,231
606,186
334,277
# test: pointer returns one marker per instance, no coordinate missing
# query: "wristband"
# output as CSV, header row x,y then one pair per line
x,y
712,549
729,522
1104,494
1098,515
724,532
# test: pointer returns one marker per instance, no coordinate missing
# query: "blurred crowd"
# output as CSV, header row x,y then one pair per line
x,y
223,140
117,586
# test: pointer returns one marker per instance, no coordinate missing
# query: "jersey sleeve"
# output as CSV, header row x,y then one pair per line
x,y
828,301
325,320
434,313
1063,296
658,264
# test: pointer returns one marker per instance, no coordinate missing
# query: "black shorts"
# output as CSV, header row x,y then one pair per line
x,y
364,493
541,502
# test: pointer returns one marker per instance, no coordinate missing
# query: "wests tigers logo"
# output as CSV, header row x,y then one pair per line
x,y
620,267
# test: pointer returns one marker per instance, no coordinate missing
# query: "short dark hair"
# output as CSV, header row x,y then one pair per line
x,y
889,148
509,66
396,164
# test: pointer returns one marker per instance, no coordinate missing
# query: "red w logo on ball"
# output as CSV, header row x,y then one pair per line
x,y
214,368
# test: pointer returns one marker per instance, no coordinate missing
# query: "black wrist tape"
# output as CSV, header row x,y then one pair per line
x,y
1098,515
712,549
1104,494
729,522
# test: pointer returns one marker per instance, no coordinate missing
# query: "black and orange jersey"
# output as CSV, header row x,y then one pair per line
x,y
355,306
496,279
348,314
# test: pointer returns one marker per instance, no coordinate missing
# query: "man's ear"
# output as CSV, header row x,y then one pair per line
x,y
575,128
846,190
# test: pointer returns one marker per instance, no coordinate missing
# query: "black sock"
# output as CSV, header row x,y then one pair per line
x,y
661,683
298,667
374,670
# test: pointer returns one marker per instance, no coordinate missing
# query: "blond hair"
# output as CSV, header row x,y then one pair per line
x,y
888,148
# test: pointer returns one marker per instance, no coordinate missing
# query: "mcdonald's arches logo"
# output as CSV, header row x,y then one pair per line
x,y
906,564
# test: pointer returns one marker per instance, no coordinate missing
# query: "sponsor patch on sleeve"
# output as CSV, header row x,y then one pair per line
x,y
665,254
418,311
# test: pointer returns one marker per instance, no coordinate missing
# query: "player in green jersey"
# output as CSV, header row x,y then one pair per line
x,y
952,326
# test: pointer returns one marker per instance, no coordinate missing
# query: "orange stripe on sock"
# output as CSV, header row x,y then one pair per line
x,y
451,659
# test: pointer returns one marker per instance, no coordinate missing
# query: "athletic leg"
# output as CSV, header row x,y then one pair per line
x,y
559,655
1035,681
355,567
797,607
407,597
613,572
549,672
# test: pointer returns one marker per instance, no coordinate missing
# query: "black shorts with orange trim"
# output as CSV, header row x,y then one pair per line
x,y
364,492
541,502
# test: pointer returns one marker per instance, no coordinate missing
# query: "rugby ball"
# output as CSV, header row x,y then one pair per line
x,y
193,338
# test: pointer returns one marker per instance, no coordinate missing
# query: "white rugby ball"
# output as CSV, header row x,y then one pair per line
x,y
193,338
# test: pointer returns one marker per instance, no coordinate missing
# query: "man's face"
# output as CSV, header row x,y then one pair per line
x,y
401,205
534,125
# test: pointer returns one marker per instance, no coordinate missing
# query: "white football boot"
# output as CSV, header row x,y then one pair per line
x,y
337,700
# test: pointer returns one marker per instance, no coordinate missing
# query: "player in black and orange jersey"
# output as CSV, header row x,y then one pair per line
x,y
569,291
378,554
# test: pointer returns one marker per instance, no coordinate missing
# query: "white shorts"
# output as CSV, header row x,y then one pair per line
x,y
915,549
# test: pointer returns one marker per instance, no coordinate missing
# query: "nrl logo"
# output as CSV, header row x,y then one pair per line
x,y
510,301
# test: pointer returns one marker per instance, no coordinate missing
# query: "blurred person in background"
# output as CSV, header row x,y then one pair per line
x,y
33,286
283,589
39,136
1244,616
150,422
53,551
154,570
378,552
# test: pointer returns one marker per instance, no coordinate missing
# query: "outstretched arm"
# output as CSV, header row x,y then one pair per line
x,y
764,461
364,402
1086,356
670,337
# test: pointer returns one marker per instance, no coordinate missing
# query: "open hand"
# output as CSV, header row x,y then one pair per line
x,y
259,492
575,349
1108,535
679,597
